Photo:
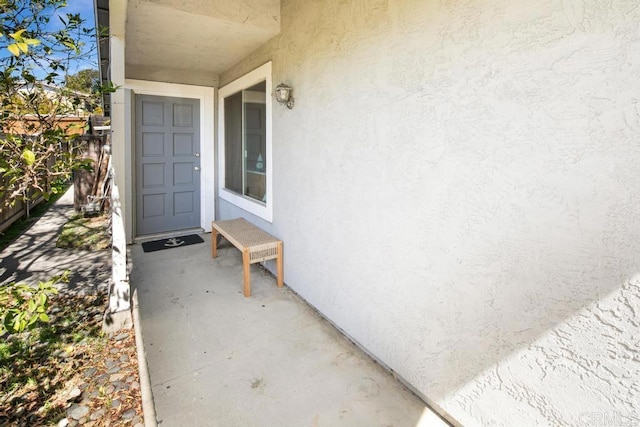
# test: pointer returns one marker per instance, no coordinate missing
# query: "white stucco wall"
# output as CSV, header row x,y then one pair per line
x,y
457,189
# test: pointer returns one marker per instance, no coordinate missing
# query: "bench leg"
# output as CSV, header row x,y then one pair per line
x,y
214,242
279,266
245,266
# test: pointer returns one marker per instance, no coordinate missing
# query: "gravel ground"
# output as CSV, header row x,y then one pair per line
x,y
109,387
67,373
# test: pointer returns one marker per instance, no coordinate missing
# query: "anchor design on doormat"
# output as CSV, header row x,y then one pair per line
x,y
173,242
170,243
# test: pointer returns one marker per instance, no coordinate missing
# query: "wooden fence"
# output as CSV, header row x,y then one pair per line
x,y
13,213
85,182
93,146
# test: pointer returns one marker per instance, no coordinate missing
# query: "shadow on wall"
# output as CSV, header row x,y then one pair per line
x,y
540,330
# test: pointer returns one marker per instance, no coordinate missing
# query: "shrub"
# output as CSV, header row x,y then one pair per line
x,y
23,306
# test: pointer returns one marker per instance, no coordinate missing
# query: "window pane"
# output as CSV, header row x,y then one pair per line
x,y
233,142
245,142
255,150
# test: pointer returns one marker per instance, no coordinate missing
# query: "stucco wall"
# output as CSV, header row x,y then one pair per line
x,y
457,188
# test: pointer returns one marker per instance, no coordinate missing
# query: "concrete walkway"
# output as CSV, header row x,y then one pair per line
x,y
217,358
33,256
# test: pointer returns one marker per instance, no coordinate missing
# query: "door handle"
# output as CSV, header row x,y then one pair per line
x,y
196,168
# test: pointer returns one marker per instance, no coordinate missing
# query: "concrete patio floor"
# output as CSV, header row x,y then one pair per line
x,y
217,358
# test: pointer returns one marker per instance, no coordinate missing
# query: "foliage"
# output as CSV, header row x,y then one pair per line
x,y
23,306
30,164
84,80
86,84
38,368
38,44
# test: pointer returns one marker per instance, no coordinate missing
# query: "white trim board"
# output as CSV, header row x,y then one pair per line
x,y
264,211
206,95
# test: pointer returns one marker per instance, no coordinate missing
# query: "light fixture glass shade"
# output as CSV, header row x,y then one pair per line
x,y
282,92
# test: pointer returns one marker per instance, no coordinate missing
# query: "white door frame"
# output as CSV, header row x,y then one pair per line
x,y
206,95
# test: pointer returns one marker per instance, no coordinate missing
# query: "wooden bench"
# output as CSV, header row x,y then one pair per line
x,y
255,245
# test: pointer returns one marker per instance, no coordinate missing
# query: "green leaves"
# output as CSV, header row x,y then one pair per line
x,y
23,306
17,35
84,80
71,45
108,87
31,165
39,52
29,157
21,44
13,48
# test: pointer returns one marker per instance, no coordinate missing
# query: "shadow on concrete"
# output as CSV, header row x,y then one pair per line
x,y
33,256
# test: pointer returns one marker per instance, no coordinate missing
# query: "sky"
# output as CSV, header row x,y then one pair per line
x,y
85,9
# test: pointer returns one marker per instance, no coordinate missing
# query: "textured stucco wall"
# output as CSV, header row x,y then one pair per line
x,y
457,188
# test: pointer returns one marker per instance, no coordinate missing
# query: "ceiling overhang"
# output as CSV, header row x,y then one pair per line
x,y
198,37
179,41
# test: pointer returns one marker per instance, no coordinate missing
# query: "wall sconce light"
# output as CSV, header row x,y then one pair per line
x,y
283,95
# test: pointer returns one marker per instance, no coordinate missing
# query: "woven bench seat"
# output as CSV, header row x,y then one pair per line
x,y
255,244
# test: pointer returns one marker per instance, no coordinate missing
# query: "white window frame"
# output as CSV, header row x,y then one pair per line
x,y
260,209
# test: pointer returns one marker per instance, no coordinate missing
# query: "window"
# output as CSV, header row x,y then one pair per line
x,y
244,142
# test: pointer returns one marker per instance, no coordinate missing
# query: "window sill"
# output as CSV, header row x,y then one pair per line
x,y
255,207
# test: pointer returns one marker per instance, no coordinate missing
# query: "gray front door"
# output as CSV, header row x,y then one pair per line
x,y
167,164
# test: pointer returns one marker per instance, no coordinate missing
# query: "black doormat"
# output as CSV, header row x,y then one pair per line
x,y
174,242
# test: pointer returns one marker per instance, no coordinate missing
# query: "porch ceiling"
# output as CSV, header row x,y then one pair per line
x,y
197,35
